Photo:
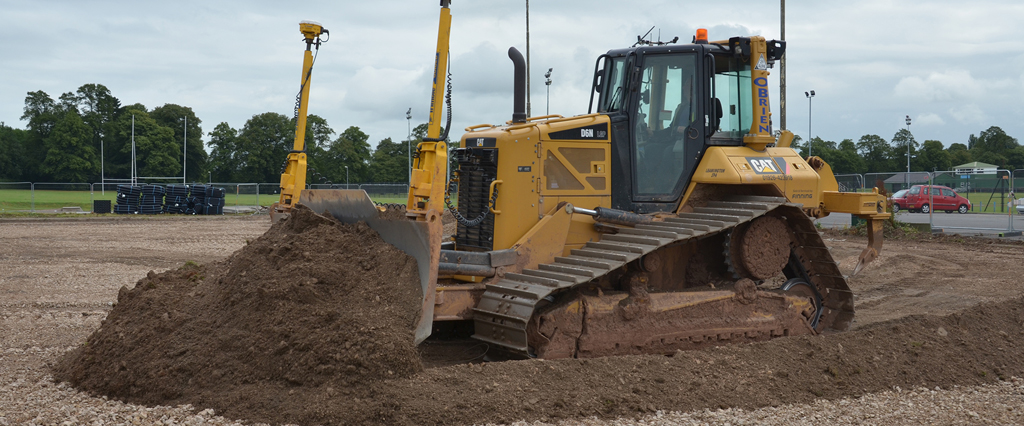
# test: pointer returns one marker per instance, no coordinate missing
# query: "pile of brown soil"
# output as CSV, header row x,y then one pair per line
x,y
311,303
289,330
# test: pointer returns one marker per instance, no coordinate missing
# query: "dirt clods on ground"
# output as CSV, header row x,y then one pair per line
x,y
312,303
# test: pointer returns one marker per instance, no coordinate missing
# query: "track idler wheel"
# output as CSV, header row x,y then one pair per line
x,y
760,249
801,288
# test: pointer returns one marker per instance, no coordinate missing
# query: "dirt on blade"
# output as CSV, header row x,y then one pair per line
x,y
312,303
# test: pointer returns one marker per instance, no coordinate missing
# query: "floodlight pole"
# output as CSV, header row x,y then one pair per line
x,y
810,138
908,144
547,75
408,142
908,152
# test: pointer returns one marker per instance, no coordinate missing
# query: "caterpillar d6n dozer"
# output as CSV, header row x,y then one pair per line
x,y
671,218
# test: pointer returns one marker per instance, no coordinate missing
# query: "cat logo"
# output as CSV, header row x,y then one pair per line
x,y
481,142
763,165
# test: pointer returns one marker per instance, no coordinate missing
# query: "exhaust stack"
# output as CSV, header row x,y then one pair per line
x,y
519,88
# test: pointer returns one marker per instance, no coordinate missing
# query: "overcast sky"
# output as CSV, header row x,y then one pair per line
x,y
954,67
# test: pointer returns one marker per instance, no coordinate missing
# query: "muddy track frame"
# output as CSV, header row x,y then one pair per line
x,y
510,303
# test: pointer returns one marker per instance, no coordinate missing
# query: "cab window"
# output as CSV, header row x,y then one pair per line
x,y
732,90
666,112
915,190
614,92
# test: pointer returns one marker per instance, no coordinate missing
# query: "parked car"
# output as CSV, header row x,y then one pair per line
x,y
919,199
898,200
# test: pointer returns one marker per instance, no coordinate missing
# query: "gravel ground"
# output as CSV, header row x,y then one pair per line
x,y
59,278
1000,404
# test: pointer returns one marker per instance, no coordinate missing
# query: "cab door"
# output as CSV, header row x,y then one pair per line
x,y
665,126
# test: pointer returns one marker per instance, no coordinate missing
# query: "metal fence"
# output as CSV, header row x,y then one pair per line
x,y
850,182
55,197
387,190
1000,199
11,190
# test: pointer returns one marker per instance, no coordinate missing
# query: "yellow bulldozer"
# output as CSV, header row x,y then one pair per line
x,y
671,216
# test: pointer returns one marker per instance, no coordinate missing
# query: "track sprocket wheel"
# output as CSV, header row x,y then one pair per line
x,y
801,288
760,249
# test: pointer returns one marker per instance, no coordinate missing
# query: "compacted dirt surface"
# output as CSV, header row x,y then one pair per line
x,y
206,320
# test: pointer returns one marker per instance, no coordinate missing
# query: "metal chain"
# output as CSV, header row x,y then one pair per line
x,y
462,219
323,179
391,206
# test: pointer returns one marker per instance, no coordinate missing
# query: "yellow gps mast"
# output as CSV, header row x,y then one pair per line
x,y
427,183
293,178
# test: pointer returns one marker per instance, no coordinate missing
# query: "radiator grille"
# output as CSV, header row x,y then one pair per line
x,y
478,167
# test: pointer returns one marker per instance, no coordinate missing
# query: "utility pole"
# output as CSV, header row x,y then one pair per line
x,y
782,70
184,157
135,179
103,180
528,113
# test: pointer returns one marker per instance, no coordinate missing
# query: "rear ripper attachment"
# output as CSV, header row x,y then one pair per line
x,y
639,289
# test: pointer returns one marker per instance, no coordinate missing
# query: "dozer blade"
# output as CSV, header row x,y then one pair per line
x,y
419,239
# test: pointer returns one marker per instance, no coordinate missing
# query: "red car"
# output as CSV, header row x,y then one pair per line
x,y
918,200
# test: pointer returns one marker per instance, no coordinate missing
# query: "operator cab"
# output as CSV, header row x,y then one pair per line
x,y
666,104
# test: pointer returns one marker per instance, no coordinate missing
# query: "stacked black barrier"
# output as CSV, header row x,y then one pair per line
x,y
176,199
127,199
198,203
214,201
194,199
152,201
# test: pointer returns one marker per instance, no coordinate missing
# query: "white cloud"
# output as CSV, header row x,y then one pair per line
x,y
968,114
929,119
376,88
871,61
952,85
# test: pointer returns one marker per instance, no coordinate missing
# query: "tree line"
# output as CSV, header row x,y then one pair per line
x,y
65,137
257,152
873,154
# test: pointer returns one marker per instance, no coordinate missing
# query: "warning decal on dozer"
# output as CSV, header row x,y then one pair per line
x,y
761,64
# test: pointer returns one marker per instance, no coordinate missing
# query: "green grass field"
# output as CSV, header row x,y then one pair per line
x,y
989,202
22,200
